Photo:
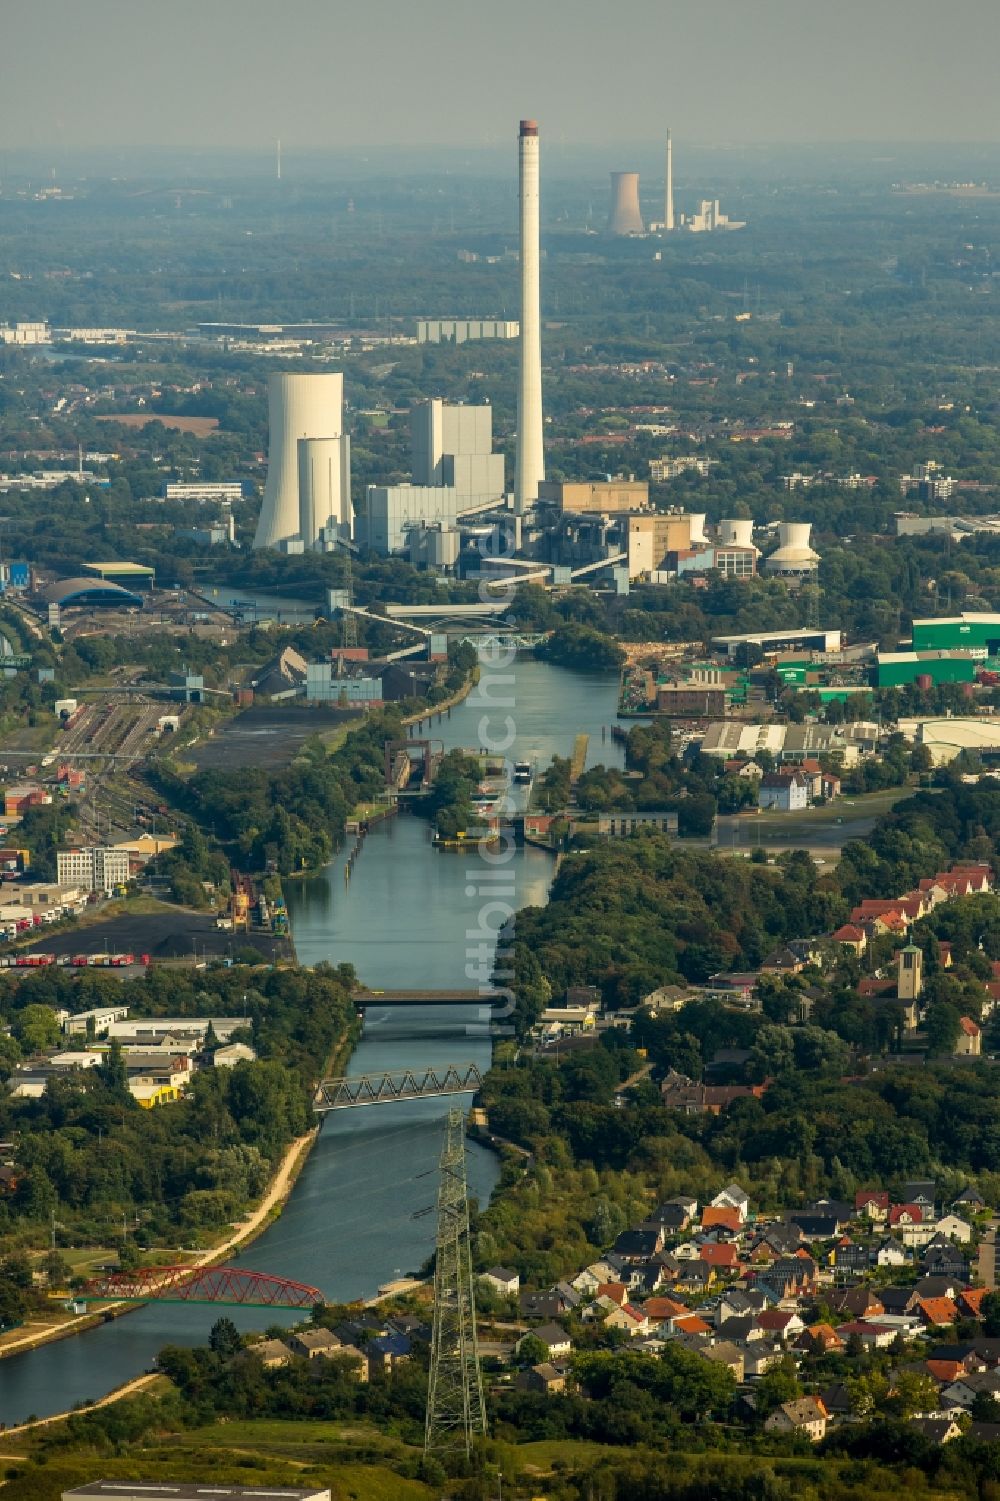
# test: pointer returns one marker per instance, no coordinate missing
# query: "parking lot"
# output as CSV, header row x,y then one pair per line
x,y
175,933
268,735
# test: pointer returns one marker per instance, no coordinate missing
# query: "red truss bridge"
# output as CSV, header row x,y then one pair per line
x,y
203,1284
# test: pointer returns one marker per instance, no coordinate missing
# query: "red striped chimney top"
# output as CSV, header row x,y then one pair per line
x,y
529,127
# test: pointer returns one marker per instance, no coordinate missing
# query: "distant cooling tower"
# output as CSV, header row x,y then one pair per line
x,y
625,217
793,556
308,483
697,520
736,532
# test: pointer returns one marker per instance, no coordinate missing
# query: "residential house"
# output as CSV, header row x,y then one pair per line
x,y
820,1339
805,1415
970,1039
970,1301
733,1197
782,961
726,1354
386,1351
964,1391
678,1093
719,1218
940,1430
852,938
538,1305
662,1310
851,1256
638,1245
970,1200
272,1353
892,1253
816,1226
784,791
781,1323
873,1204
546,1378
872,1336
315,1344
921,1191
502,1279
723,1257
937,1312
553,1336
696,1277
631,1320
759,1356
945,1260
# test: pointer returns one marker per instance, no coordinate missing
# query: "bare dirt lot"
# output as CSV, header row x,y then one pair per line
x,y
173,933
200,427
268,735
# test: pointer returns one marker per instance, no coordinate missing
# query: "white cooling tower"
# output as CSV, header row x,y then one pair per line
x,y
697,520
736,531
299,406
793,554
324,486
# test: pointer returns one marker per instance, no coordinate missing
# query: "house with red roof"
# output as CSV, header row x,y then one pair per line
x,y
873,1204
970,1039
936,1312
851,937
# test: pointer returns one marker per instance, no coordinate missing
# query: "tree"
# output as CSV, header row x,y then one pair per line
x,y
777,1385
696,815
36,1028
113,1071
942,1029
225,1339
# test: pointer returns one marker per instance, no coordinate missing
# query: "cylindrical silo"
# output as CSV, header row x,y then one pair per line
x,y
736,531
625,217
299,406
697,524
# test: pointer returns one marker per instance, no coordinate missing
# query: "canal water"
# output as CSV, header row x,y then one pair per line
x,y
355,1217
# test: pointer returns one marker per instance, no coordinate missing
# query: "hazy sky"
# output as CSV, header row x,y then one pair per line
x,y
324,73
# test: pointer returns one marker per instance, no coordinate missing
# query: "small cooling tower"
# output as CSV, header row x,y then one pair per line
x,y
793,557
625,217
697,521
736,531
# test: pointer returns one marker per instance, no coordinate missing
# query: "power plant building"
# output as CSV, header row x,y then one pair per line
x,y
452,445
972,631
595,495
625,216
461,330
308,492
392,511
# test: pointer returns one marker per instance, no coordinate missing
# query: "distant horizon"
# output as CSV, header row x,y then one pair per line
x,y
214,76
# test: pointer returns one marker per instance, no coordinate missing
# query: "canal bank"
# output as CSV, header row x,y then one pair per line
x,y
356,1217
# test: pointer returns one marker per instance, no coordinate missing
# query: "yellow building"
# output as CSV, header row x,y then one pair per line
x,y
595,495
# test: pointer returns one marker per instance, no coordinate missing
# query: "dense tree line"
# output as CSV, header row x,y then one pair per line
x,y
86,1150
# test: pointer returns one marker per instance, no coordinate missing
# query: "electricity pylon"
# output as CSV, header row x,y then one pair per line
x,y
455,1408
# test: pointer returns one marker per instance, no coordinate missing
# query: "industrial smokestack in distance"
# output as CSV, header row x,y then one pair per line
x,y
625,217
668,202
530,470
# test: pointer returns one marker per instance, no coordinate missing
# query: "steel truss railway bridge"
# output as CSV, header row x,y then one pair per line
x,y
237,1286
396,1085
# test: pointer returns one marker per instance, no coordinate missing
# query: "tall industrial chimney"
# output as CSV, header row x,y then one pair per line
x,y
668,202
530,458
625,217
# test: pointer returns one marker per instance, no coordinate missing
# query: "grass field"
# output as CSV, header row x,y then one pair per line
x,y
357,1462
